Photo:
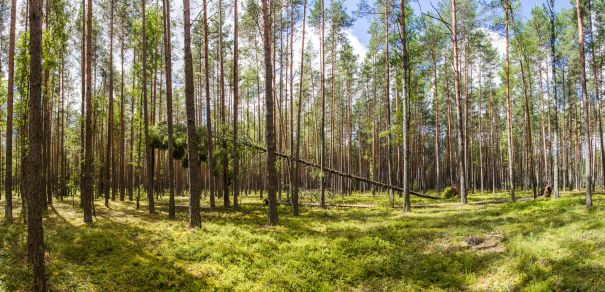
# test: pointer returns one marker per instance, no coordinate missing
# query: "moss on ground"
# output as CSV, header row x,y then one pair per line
x,y
528,245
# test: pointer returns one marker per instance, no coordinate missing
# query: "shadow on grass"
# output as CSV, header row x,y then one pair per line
x,y
368,249
103,256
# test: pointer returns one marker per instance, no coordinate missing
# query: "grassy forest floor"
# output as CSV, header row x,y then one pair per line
x,y
533,245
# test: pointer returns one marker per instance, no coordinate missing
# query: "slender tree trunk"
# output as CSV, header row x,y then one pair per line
x,y
208,114
437,128
407,204
168,71
528,130
88,196
459,102
131,168
322,156
387,97
545,175
235,108
290,74
223,116
83,60
122,119
148,148
35,168
509,109
493,148
587,143
479,120
555,102
269,123
595,72
295,172
192,138
109,148
8,182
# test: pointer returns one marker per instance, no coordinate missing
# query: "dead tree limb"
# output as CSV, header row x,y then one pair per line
x,y
339,173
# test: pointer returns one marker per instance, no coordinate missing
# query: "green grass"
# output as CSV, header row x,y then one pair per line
x,y
529,245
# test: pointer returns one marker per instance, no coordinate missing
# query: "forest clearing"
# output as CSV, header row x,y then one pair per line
x,y
533,245
302,145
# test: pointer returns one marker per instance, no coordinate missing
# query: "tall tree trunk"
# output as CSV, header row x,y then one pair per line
x,y
595,72
555,132
88,196
83,60
109,148
35,169
148,148
437,129
528,130
122,167
192,138
235,105
168,70
545,175
295,172
509,109
407,204
8,182
223,111
387,93
459,102
493,143
131,168
269,123
322,156
208,114
479,120
587,143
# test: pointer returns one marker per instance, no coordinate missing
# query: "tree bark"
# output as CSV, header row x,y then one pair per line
x,y
295,172
211,177
269,123
109,148
587,143
8,182
88,196
192,138
148,148
387,97
509,109
35,167
168,71
407,204
122,167
322,156
235,107
459,105
555,132
595,72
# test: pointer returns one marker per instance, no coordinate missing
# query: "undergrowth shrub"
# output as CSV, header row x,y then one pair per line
x,y
450,192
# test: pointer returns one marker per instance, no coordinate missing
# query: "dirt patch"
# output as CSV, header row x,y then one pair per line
x,y
474,241
491,242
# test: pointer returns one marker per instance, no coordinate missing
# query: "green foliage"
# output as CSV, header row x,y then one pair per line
x,y
158,135
450,192
533,245
22,65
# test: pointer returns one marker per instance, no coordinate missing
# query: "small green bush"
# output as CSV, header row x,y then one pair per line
x,y
450,192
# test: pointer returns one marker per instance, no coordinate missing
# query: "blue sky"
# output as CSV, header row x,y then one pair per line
x,y
360,27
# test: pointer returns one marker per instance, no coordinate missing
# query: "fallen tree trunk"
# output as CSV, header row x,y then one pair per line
x,y
347,175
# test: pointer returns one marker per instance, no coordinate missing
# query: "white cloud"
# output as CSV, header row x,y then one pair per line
x,y
498,41
358,48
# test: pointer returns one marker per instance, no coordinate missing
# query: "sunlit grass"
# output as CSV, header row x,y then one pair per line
x,y
538,245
